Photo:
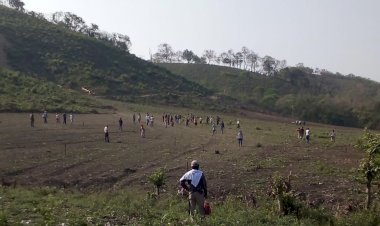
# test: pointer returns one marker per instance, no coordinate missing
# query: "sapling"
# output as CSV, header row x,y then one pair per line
x,y
158,179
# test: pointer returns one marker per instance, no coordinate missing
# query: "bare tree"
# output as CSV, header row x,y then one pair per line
x,y
245,51
253,61
231,57
238,59
209,55
166,52
279,65
178,56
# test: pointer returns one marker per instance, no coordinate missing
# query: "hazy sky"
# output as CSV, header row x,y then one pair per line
x,y
337,35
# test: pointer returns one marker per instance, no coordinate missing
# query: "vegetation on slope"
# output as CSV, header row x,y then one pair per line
x,y
294,91
24,93
35,46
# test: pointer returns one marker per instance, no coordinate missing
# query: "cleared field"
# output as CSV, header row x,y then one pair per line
x,y
37,156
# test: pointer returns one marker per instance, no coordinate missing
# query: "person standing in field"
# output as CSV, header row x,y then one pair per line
x,y
213,129
239,137
308,133
64,118
139,118
195,183
134,118
332,136
302,132
71,118
31,117
142,131
120,124
56,117
45,116
238,124
222,126
106,134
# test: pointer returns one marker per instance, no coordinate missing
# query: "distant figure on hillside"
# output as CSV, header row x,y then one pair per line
x,y
31,117
222,127
139,118
238,124
332,136
121,124
308,133
142,131
213,129
106,134
45,116
134,118
239,137
71,117
64,118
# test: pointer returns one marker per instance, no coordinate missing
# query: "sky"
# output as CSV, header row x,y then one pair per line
x,y
337,35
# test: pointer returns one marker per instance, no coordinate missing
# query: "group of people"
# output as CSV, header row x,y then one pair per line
x,y
301,132
304,133
57,118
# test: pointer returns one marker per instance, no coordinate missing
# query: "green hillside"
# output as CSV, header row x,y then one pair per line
x,y
23,93
329,98
37,47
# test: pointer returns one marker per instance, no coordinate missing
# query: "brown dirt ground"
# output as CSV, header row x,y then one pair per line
x,y
36,156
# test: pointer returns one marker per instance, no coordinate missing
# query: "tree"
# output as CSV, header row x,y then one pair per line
x,y
238,59
245,51
370,164
209,55
166,52
199,60
224,58
36,15
231,57
69,21
17,4
121,41
252,61
268,65
188,55
158,179
178,56
279,65
93,30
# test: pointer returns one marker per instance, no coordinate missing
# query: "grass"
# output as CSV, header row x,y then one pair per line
x,y
47,206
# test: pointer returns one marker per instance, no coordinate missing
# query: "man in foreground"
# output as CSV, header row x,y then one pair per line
x,y
194,182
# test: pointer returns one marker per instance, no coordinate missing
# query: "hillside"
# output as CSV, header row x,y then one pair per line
x,y
50,52
20,92
328,98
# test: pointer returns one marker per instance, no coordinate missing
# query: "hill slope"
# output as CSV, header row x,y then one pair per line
x,y
20,92
51,52
328,98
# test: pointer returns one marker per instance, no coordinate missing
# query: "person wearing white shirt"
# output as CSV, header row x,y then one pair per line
x,y
106,134
194,182
307,133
